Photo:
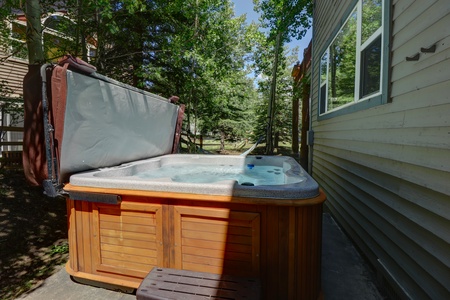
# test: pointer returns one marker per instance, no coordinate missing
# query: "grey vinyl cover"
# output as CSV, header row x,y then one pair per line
x,y
108,123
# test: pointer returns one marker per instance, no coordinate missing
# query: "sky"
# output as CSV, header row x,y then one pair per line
x,y
246,7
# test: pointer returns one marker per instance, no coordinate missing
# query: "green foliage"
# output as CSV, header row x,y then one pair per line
x,y
200,57
195,49
290,17
284,95
284,19
342,65
60,249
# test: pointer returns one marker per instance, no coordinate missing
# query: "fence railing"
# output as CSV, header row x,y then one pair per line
x,y
10,159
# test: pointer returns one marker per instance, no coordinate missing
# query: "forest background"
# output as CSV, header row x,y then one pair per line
x,y
198,50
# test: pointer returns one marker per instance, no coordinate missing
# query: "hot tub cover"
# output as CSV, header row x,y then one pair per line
x,y
97,122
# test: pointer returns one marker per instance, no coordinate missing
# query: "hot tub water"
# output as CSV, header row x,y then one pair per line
x,y
249,174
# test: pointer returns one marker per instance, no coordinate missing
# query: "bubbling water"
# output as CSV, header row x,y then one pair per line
x,y
191,173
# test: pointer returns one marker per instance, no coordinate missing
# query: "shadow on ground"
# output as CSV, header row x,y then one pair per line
x,y
33,234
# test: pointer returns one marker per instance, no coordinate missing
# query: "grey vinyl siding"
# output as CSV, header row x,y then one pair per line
x,y
386,169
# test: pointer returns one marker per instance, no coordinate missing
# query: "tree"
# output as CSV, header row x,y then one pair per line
x,y
200,57
282,120
285,19
34,32
195,49
230,113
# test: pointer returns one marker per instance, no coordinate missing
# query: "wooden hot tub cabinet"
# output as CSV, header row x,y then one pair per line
x,y
276,240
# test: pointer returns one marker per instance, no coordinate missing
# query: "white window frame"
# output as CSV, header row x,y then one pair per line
x,y
21,23
45,30
382,33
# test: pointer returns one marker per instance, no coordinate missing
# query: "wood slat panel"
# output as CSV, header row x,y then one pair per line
x,y
72,235
202,268
123,274
87,219
206,199
272,254
129,250
128,235
127,258
239,271
127,217
238,256
218,262
218,226
129,243
128,227
128,265
283,252
216,245
217,237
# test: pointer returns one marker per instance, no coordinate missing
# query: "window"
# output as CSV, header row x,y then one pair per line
x,y
58,38
351,67
18,45
60,24
56,42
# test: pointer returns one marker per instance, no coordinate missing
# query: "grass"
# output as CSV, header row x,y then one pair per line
x,y
213,146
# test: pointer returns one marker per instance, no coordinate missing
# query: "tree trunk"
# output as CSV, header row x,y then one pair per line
x,y
295,120
276,140
80,34
333,67
34,32
222,141
271,108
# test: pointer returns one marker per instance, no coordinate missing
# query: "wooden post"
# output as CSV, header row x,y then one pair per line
x,y
305,126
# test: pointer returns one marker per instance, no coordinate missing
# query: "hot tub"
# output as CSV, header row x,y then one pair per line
x,y
279,177
125,220
134,205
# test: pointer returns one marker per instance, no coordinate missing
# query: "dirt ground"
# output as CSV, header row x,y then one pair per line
x,y
33,235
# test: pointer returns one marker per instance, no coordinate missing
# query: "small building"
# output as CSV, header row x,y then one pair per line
x,y
380,122
12,71
13,67
57,37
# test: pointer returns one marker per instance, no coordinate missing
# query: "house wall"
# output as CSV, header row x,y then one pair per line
x,y
12,72
386,170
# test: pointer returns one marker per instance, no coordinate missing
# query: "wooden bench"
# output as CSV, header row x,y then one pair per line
x,y
164,283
